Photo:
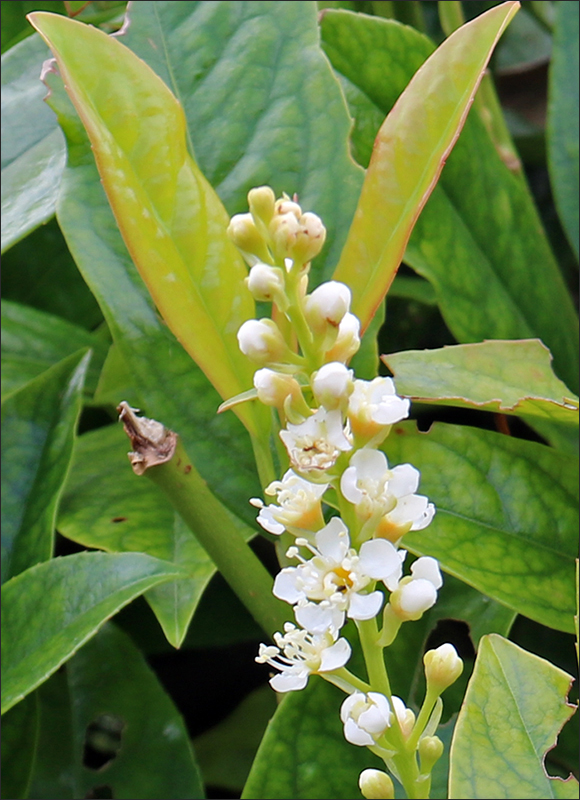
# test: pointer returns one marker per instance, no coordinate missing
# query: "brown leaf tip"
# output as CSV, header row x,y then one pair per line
x,y
151,441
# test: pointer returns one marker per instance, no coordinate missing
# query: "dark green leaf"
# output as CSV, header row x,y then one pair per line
x,y
33,152
563,119
304,753
51,610
507,517
38,427
478,240
19,741
108,704
514,708
261,102
105,505
32,341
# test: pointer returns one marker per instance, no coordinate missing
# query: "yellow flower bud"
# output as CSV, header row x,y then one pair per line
x,y
430,751
261,202
246,237
376,785
442,667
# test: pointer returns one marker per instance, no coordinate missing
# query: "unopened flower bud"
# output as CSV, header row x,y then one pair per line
x,y
261,202
286,206
283,229
266,283
442,667
262,341
430,751
274,387
347,342
332,385
327,305
310,238
243,233
376,785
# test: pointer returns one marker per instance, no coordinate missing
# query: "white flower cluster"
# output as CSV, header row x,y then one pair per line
x,y
331,427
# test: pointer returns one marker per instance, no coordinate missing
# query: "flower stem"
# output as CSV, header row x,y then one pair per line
x,y
345,680
220,534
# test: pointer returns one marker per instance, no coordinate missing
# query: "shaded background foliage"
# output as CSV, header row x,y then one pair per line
x,y
50,313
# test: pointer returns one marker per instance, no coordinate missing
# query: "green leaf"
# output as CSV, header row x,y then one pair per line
x,y
304,753
33,152
108,685
39,271
508,377
32,341
38,427
409,153
19,742
479,239
563,119
15,26
170,217
106,506
115,381
507,516
52,609
289,124
514,708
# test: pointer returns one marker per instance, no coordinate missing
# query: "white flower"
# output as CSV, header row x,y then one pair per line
x,y
316,443
347,341
332,385
416,593
300,505
261,340
365,717
299,654
327,305
377,491
336,576
373,405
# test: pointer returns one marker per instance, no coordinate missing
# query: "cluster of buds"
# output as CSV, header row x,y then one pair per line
x,y
331,426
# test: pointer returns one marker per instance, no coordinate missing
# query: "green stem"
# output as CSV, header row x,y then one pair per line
x,y
216,530
422,719
345,680
374,660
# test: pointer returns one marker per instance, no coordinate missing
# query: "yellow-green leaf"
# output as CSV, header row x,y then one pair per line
x,y
513,711
409,154
511,377
173,223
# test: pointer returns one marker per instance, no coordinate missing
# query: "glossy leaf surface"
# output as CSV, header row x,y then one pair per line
x,y
51,610
500,285
408,156
508,377
108,686
33,152
513,711
170,217
38,428
506,515
105,505
288,124
563,129
32,341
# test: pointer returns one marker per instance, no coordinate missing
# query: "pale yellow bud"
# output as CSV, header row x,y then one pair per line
x,y
262,342
442,667
430,751
310,238
376,785
347,341
261,202
286,206
266,283
274,387
246,237
283,230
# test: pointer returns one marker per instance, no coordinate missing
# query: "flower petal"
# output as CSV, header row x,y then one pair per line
x,y
335,656
365,606
290,681
285,586
379,559
356,735
428,568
